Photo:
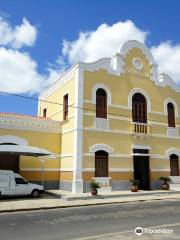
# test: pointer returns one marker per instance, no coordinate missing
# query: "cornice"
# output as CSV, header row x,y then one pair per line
x,y
64,78
29,123
114,66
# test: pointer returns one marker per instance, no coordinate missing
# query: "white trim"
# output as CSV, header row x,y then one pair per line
x,y
135,60
103,63
121,170
110,170
126,118
111,155
141,154
127,46
160,170
171,151
67,155
107,131
127,133
128,155
47,169
157,156
139,146
88,169
158,113
144,93
39,169
68,131
170,100
101,146
77,184
106,88
13,139
119,155
27,123
66,169
62,79
119,106
164,136
165,80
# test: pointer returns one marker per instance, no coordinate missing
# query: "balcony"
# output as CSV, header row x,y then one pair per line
x,y
172,132
141,129
101,123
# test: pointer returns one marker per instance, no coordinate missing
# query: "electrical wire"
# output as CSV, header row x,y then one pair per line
x,y
61,104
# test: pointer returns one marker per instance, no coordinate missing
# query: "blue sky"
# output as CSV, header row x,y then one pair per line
x,y
157,23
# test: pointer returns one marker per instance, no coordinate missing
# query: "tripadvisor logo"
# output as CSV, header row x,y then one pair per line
x,y
138,231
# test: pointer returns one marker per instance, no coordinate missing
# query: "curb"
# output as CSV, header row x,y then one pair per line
x,y
99,196
79,205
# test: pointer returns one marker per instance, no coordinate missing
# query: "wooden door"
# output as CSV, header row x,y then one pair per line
x,y
101,164
174,165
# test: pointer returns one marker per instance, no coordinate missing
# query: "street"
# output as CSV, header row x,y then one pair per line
x,y
116,221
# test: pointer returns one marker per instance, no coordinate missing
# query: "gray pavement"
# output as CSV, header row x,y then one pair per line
x,y
115,221
49,201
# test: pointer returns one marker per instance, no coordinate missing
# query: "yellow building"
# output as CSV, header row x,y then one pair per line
x,y
110,120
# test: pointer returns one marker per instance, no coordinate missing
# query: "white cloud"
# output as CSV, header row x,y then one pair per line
x,y
103,42
19,72
167,56
106,40
21,35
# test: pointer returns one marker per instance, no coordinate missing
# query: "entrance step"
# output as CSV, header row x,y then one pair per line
x,y
174,186
105,189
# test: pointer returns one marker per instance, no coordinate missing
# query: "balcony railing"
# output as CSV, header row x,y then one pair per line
x,y
140,128
172,132
101,123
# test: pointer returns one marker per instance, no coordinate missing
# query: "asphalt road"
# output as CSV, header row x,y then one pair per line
x,y
116,221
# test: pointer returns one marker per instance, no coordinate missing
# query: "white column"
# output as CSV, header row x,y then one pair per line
x,y
77,184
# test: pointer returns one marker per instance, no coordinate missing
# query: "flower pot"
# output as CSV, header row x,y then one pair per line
x,y
94,192
165,186
134,188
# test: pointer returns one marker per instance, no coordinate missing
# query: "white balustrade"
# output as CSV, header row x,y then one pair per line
x,y
172,132
101,123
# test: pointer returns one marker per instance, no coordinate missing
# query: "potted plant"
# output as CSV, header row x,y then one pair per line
x,y
165,183
134,185
94,186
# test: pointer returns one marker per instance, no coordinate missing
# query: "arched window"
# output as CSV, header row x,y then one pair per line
x,y
139,108
174,165
101,103
101,164
171,115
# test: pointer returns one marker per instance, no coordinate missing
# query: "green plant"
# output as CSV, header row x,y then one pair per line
x,y
134,182
165,179
94,185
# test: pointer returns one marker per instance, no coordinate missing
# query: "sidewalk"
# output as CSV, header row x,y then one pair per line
x,y
61,199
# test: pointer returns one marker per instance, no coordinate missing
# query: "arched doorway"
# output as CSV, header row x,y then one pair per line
x,y
174,165
101,164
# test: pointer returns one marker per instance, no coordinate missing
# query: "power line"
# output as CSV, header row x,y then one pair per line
x,y
61,104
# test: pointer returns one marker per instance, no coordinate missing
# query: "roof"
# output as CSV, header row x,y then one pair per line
x,y
24,150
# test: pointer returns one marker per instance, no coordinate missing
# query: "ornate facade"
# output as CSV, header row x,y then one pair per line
x,y
110,120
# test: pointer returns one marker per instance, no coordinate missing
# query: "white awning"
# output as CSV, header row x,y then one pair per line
x,y
24,150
